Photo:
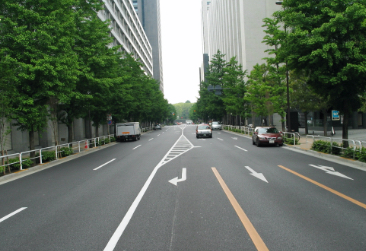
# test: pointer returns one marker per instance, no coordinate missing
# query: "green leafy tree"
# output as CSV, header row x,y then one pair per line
x,y
38,37
327,40
235,89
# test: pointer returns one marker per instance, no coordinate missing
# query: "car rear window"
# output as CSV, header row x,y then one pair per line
x,y
268,130
202,127
215,123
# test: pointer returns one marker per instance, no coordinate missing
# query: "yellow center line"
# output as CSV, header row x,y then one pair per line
x,y
326,188
257,240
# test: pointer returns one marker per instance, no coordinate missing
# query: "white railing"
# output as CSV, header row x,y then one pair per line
x,y
76,146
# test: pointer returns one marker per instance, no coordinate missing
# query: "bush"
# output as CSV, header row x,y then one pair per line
x,y
48,156
106,141
321,146
348,152
113,139
66,151
26,163
290,141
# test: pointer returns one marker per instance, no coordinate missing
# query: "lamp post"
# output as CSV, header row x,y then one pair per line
x,y
288,88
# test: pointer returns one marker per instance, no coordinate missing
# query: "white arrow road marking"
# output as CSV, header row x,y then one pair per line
x,y
136,147
220,139
104,164
151,139
234,138
330,170
257,175
176,180
12,214
241,148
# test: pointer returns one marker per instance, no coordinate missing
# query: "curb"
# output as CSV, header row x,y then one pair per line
x,y
14,176
335,159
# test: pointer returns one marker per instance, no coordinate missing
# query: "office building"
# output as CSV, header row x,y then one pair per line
x,y
148,12
235,28
127,31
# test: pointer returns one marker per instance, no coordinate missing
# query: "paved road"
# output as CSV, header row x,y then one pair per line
x,y
224,194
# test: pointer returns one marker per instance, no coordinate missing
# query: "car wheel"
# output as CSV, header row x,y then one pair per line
x,y
280,144
257,143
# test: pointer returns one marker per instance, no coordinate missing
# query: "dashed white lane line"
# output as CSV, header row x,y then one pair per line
x,y
151,139
241,148
12,214
136,147
104,164
220,139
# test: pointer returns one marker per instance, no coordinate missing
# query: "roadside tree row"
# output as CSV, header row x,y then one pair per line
x,y
57,63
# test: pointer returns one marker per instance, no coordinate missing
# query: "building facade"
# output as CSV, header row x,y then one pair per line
x,y
148,12
127,31
235,28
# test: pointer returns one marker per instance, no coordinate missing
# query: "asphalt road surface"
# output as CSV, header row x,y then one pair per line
x,y
171,191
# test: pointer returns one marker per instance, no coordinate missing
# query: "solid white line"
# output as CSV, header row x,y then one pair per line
x,y
104,164
122,226
136,147
12,214
241,148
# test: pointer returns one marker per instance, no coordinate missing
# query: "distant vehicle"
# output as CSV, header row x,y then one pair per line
x,y
267,135
157,127
203,130
189,122
216,125
128,131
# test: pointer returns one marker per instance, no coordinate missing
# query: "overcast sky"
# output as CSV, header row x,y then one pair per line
x,y
181,49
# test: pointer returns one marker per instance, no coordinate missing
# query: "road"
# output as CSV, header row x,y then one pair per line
x,y
171,191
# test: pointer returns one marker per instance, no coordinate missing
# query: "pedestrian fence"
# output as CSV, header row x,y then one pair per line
x,y
76,147
337,145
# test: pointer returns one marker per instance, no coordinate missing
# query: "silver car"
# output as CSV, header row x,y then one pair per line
x,y
216,125
203,130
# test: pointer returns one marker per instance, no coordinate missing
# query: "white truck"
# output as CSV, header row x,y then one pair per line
x,y
128,131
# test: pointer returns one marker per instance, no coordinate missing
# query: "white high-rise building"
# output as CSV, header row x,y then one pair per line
x,y
128,31
235,28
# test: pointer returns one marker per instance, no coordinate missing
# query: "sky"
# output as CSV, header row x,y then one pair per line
x,y
181,49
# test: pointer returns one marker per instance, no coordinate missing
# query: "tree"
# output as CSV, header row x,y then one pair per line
x,y
327,40
38,38
235,89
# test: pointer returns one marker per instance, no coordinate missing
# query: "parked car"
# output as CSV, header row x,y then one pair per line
x,y
157,127
267,135
216,125
203,130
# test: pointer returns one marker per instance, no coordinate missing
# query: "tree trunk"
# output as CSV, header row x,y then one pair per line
x,y
31,146
70,131
96,130
306,123
283,123
325,122
345,129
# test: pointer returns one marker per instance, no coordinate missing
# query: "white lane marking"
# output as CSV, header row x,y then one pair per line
x,y
151,139
126,219
241,148
158,135
136,147
104,164
12,214
234,138
176,180
330,170
220,139
257,175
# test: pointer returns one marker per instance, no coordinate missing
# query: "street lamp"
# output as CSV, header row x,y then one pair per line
x,y
288,88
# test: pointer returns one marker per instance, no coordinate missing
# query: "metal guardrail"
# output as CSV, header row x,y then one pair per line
x,y
77,146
